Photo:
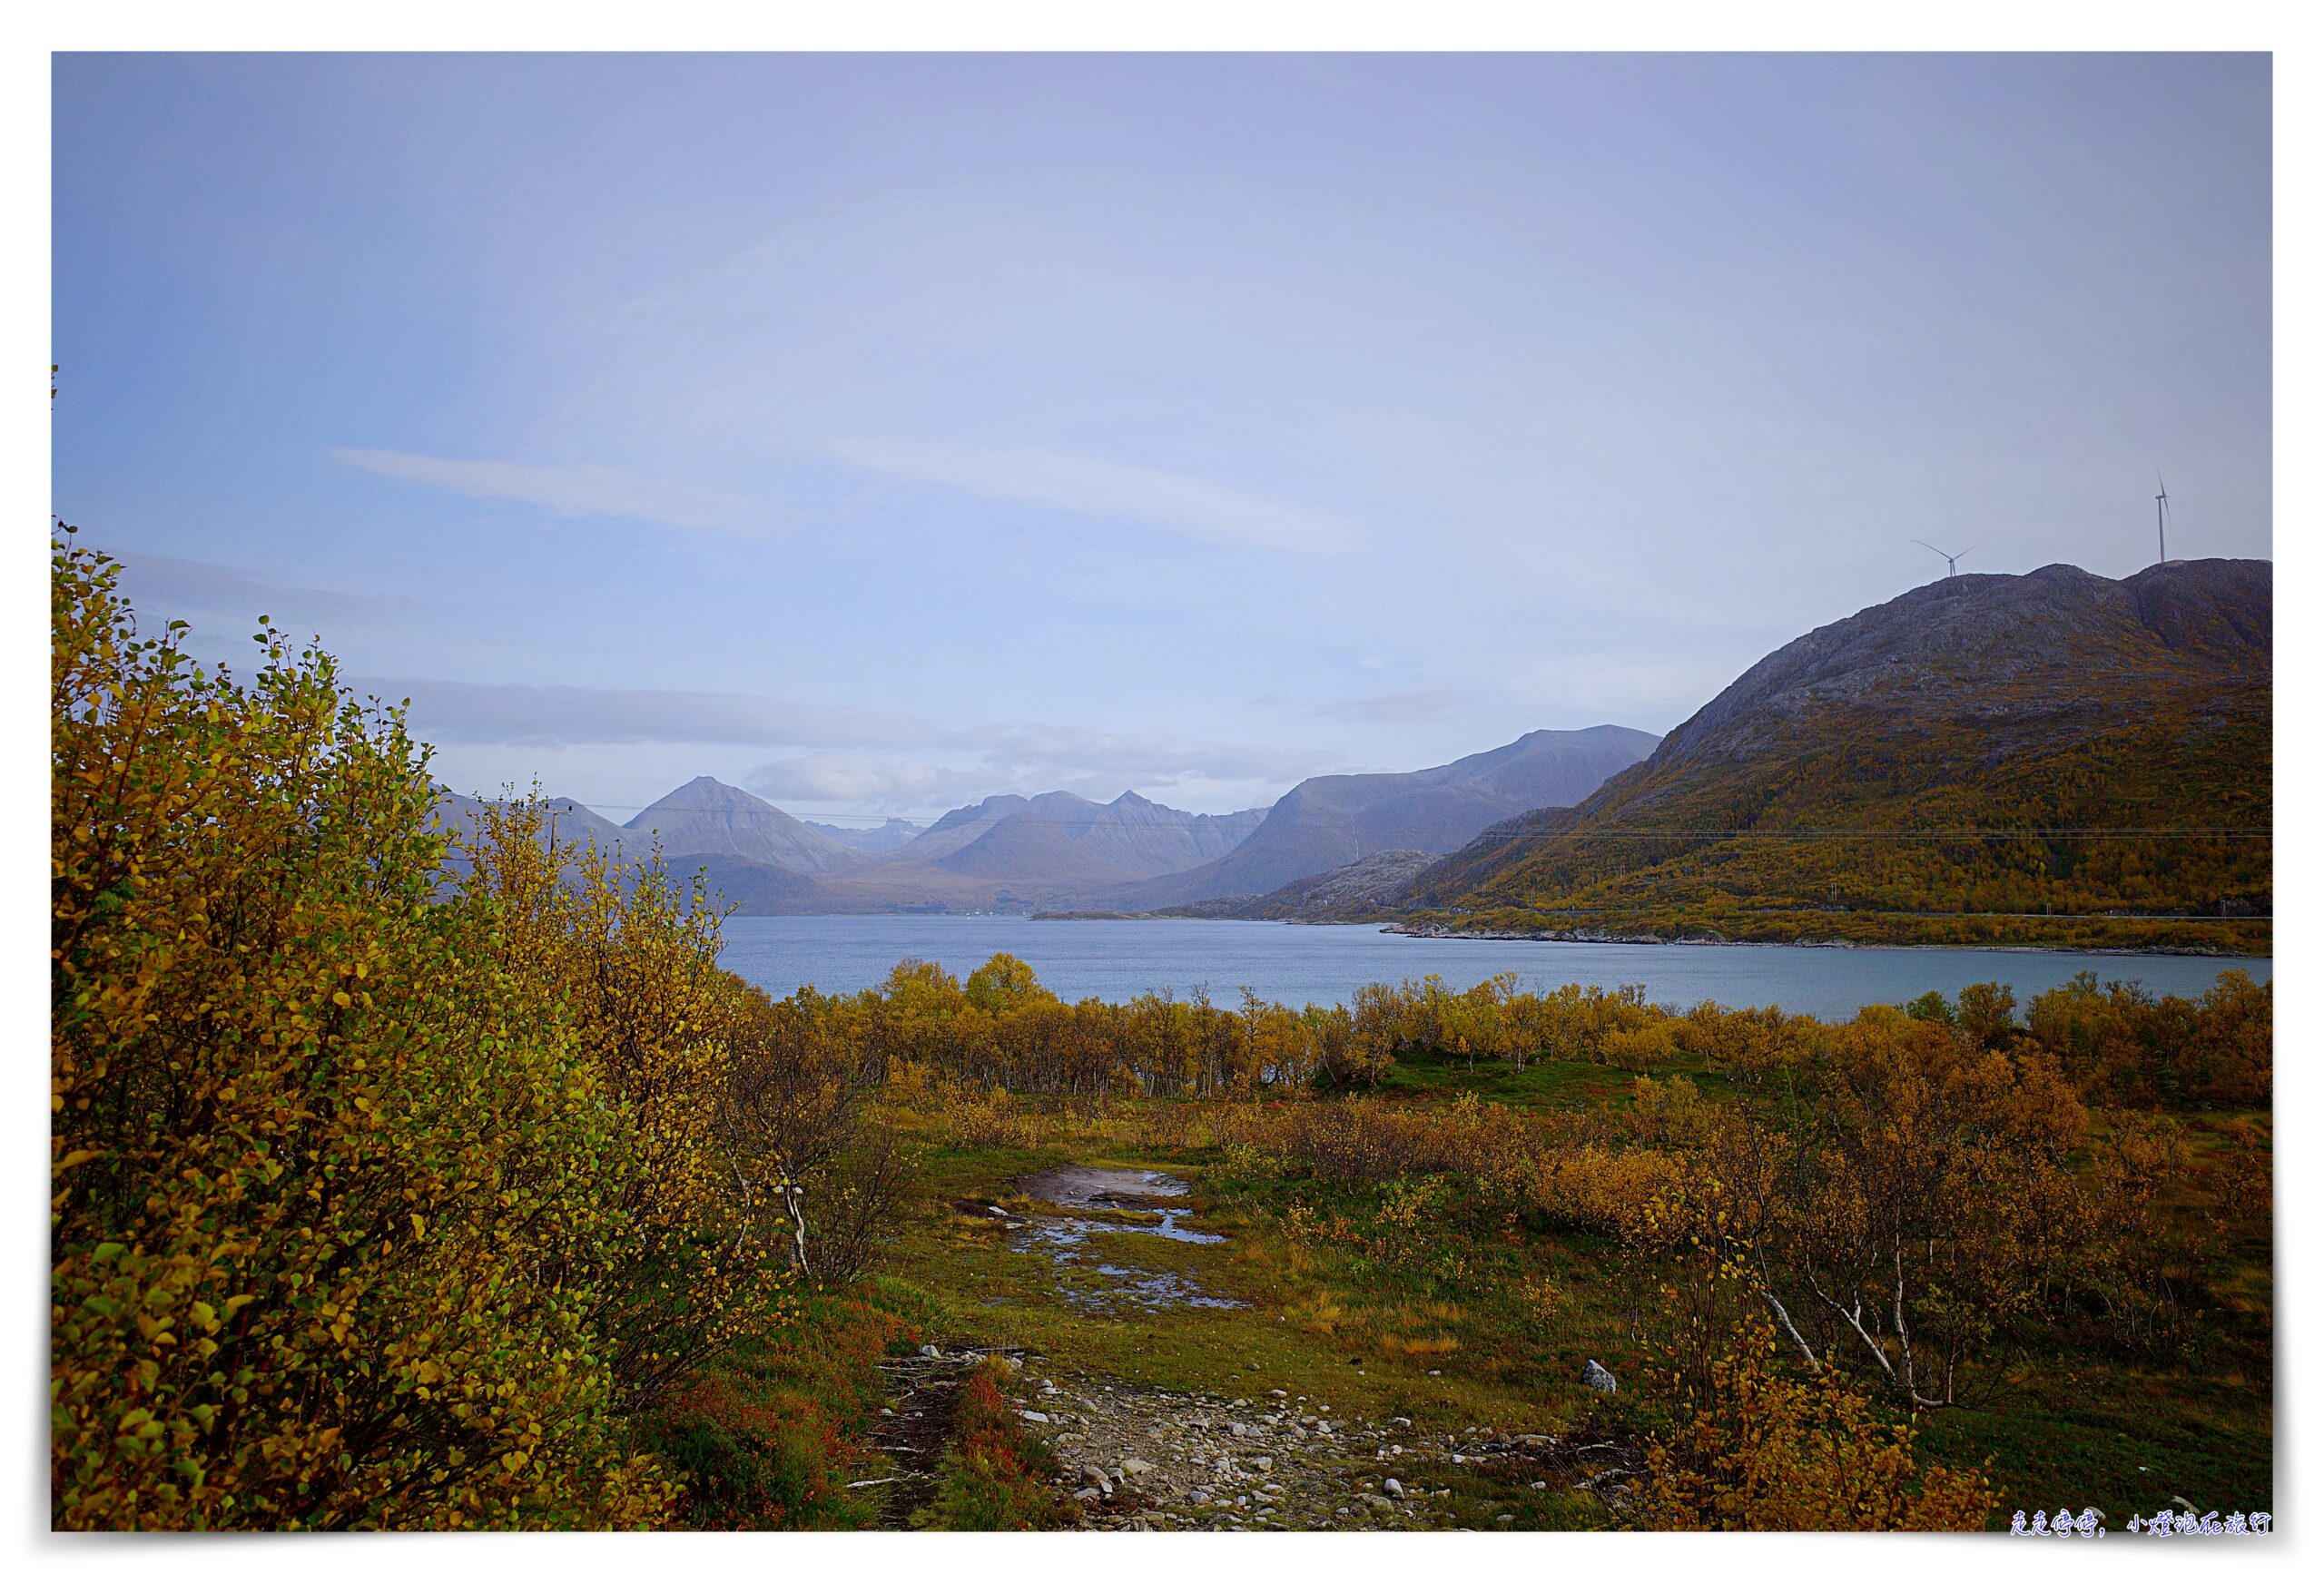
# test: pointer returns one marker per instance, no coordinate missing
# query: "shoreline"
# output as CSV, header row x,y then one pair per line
x,y
1557,936
1582,938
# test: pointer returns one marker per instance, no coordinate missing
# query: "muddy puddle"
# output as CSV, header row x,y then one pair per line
x,y
1146,1204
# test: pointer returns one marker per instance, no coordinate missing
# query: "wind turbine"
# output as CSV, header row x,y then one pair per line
x,y
2161,502
1951,570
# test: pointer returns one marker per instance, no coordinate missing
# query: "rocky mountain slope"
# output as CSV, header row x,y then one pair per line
x,y
1005,851
1330,821
1056,849
878,839
1061,835
1369,886
2055,745
707,818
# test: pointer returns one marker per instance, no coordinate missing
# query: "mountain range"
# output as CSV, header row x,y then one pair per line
x,y
1948,767
1058,850
1332,819
2056,757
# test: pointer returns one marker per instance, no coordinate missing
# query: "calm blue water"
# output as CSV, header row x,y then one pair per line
x,y
1115,960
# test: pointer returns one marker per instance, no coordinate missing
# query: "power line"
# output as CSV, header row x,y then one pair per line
x,y
1625,833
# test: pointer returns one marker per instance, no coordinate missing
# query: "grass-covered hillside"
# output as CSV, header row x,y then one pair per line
x,y
2053,757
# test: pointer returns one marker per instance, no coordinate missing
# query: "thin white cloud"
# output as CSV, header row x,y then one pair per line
x,y
1399,708
1106,753
834,777
863,759
1651,694
527,716
178,587
517,715
1174,501
579,490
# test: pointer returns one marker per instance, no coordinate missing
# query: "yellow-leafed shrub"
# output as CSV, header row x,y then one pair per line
x,y
1765,1450
328,1184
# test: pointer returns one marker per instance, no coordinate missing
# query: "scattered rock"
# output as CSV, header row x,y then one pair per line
x,y
1190,1460
1596,1375
1030,1416
930,1350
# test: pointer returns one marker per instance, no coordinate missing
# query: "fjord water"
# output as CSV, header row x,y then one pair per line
x,y
1119,959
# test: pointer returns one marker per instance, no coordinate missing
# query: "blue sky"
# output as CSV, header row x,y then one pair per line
x,y
882,432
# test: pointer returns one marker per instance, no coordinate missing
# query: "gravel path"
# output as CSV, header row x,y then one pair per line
x,y
1135,1457
1141,1458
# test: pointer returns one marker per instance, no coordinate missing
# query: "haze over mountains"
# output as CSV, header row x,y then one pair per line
x,y
2056,745
1331,819
882,838
1059,849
